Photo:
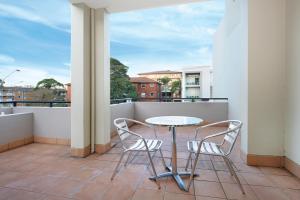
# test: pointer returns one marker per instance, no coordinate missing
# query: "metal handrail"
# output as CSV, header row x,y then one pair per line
x,y
50,103
116,101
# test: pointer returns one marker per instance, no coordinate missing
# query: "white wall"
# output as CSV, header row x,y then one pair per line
x,y
266,76
208,111
49,122
6,110
9,132
230,63
292,101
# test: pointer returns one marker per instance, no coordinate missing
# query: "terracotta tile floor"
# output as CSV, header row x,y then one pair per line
x,y
39,171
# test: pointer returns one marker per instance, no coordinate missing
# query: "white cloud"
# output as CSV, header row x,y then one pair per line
x,y
31,75
5,59
33,15
187,10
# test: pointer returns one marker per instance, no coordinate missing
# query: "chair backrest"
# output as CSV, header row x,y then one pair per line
x,y
122,128
234,129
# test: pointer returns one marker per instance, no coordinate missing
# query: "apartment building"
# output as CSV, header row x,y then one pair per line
x,y
146,87
16,94
196,82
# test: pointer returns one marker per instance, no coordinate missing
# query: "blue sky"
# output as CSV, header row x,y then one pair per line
x,y
35,37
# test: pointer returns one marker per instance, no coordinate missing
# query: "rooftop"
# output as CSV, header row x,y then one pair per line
x,y
161,72
142,80
42,171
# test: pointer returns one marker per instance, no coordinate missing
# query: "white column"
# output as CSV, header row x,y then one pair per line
x,y
102,80
183,89
205,83
80,76
266,80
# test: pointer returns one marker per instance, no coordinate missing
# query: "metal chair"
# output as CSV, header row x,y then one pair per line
x,y
223,149
133,142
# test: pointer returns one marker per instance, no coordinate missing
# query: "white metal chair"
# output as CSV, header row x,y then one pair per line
x,y
133,142
223,149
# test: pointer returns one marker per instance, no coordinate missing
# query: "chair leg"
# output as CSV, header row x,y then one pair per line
x,y
188,161
153,168
128,158
228,165
116,168
227,161
162,158
193,172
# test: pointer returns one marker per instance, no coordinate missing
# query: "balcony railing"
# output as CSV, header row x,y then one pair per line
x,y
112,101
36,103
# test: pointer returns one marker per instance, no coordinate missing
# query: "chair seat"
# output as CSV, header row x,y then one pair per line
x,y
209,148
139,145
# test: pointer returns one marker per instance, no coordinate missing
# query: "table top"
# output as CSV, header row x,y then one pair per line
x,y
174,121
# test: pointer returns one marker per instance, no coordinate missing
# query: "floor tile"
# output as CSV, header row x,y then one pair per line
x,y
91,191
258,179
269,193
275,171
207,198
293,194
172,187
233,191
287,182
211,189
65,187
206,175
226,177
145,194
176,196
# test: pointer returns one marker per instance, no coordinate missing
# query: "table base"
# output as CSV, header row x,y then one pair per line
x,y
176,176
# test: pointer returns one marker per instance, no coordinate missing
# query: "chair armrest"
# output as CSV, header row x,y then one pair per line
x,y
130,132
216,135
207,126
138,122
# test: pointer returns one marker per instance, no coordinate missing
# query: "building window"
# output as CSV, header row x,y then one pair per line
x,y
143,94
151,94
151,84
143,85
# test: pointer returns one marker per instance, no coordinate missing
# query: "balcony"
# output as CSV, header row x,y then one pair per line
x,y
31,171
43,171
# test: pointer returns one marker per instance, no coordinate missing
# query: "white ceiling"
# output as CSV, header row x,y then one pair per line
x,y
128,5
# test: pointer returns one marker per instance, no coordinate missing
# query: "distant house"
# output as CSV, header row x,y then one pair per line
x,y
16,94
68,91
146,87
156,75
197,82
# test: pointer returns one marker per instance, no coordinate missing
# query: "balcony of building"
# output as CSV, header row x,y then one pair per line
x,y
256,66
37,163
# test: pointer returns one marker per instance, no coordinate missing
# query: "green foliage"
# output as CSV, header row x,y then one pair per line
x,y
48,90
164,81
120,85
49,83
175,86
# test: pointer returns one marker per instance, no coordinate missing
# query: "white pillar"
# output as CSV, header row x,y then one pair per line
x,y
80,76
183,85
205,83
102,80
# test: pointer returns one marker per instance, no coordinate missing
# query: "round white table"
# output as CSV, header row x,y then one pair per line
x,y
173,122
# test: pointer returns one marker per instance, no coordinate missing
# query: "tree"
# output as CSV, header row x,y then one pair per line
x,y
49,83
176,87
165,82
49,89
120,85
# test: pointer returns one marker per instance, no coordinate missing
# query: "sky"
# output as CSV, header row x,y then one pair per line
x,y
35,38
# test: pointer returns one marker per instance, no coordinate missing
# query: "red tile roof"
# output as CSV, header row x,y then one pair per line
x,y
161,72
142,80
